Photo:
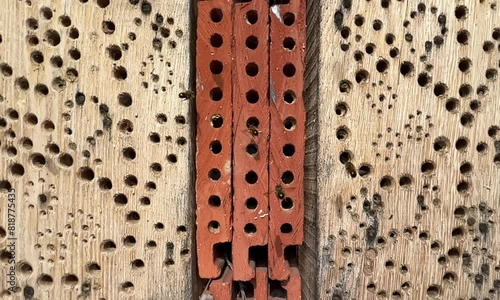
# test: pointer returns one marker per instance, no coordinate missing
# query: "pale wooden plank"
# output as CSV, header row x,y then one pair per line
x,y
65,233
395,136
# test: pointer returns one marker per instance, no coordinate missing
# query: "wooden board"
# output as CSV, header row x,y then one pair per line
x,y
97,144
407,149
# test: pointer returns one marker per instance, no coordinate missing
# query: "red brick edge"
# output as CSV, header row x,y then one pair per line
x,y
222,288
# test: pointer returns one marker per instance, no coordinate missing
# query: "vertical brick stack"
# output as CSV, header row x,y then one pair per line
x,y
286,160
251,133
250,142
214,134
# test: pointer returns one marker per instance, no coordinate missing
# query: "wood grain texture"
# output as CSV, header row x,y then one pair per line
x,y
408,150
96,142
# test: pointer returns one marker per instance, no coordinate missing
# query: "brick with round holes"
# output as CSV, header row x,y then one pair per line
x,y
287,140
251,133
214,135
293,285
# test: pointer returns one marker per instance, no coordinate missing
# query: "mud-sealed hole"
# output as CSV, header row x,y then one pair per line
x,y
214,227
345,86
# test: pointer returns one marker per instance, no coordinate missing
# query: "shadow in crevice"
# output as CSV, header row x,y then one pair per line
x,y
257,256
276,291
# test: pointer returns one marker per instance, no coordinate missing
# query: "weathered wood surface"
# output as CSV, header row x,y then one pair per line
x,y
408,153
96,142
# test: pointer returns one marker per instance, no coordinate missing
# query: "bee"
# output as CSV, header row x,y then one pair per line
x,y
280,192
187,95
254,130
350,169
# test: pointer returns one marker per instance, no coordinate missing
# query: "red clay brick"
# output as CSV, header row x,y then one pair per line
x,y
293,285
287,139
222,288
261,283
214,134
251,132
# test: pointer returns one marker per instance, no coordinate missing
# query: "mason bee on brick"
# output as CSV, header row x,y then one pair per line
x,y
253,130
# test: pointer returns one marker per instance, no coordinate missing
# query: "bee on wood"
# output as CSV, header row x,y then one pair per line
x,y
350,169
187,95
